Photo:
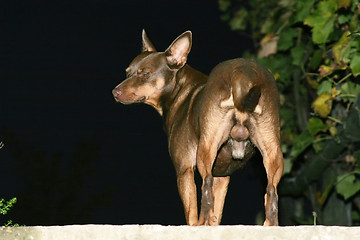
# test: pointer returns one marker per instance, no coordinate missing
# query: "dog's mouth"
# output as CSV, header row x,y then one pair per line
x,y
126,98
140,99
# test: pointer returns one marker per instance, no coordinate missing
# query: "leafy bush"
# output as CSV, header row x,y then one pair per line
x,y
313,50
5,206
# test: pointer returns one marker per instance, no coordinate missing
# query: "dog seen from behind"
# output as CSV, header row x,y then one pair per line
x,y
213,123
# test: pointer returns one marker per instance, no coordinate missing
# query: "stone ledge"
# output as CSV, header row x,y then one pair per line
x,y
158,232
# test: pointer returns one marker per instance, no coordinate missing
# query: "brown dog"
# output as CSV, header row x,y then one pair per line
x,y
212,123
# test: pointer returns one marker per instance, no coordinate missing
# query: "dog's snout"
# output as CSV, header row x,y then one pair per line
x,y
116,92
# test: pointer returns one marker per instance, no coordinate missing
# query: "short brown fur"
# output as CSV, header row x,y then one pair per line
x,y
212,122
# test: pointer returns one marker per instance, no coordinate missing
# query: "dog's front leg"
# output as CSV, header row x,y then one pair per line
x,y
187,191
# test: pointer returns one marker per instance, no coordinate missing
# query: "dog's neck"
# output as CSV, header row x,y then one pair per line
x,y
185,85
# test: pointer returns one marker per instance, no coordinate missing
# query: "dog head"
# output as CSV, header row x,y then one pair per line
x,y
152,73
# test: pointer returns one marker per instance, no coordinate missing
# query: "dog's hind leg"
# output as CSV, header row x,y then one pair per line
x,y
274,168
207,202
212,201
205,156
213,189
220,187
267,139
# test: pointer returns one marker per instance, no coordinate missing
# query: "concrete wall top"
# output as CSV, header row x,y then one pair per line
x,y
158,232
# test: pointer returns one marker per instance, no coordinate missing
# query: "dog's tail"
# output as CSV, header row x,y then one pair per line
x,y
246,93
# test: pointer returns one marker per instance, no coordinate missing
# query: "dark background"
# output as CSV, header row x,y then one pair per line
x,y
73,155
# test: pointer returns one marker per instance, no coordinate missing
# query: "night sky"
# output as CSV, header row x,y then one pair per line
x,y
72,155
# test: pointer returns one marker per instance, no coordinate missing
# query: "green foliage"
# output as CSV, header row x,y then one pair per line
x,y
5,206
322,21
316,125
313,50
347,185
355,64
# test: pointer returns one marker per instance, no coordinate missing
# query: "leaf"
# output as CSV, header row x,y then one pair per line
x,y
318,147
301,142
355,65
279,63
6,206
344,3
316,59
344,18
322,21
323,104
287,114
297,54
268,46
312,83
239,20
355,5
285,3
325,70
351,125
349,91
357,157
333,131
288,163
328,189
316,125
225,17
354,35
224,5
341,48
302,10
324,87
268,26
355,216
335,92
286,39
354,22
321,33
347,185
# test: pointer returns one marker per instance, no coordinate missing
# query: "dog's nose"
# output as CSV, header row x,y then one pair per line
x,y
116,92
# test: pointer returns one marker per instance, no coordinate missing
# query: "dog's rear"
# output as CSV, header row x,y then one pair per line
x,y
240,105
212,125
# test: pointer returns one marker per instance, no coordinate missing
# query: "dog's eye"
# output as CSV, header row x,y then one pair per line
x,y
143,72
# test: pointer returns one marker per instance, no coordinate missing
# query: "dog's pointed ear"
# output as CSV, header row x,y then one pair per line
x,y
147,44
176,54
